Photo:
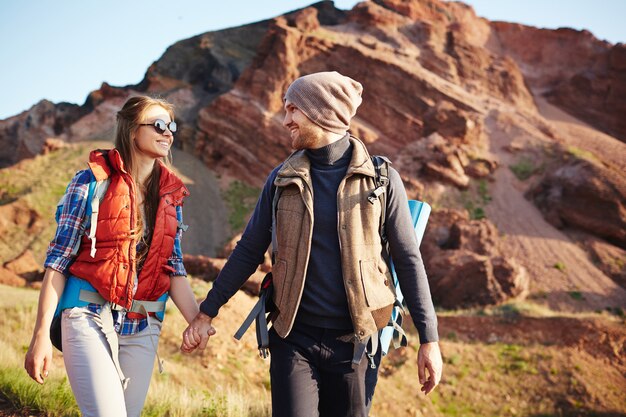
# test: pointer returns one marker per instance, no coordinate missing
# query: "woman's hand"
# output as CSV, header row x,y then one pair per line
x,y
39,357
197,334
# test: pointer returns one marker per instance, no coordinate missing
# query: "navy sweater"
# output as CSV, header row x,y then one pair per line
x,y
324,302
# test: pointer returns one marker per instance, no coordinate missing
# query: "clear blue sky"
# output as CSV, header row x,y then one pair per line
x,y
63,49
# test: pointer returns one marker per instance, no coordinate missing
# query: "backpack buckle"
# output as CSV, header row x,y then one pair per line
x,y
375,194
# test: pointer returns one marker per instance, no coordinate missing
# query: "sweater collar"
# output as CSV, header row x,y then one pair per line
x,y
299,165
337,153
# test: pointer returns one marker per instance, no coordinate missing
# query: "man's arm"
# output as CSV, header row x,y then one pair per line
x,y
413,281
244,260
408,261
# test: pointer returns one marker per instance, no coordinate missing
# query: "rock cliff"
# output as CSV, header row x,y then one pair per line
x,y
474,114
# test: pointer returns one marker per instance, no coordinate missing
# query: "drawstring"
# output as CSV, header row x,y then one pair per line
x,y
106,318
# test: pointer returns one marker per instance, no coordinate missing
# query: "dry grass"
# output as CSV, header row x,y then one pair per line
x,y
481,377
228,380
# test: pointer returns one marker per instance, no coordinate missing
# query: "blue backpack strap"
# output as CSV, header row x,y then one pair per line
x,y
420,212
85,220
71,293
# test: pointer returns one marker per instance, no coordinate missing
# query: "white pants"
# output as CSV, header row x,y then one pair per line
x,y
92,374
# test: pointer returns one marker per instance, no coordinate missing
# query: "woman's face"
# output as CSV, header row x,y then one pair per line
x,y
149,141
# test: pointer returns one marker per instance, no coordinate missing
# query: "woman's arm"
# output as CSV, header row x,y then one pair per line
x,y
183,297
39,355
59,257
180,290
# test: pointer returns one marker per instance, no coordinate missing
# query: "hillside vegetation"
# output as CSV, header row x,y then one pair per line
x,y
507,361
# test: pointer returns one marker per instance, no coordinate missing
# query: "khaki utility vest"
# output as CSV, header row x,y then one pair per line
x,y
366,276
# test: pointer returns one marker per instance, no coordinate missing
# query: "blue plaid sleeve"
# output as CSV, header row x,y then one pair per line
x,y
71,210
176,260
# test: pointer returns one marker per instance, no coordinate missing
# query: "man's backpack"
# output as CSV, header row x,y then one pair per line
x,y
96,192
420,212
393,331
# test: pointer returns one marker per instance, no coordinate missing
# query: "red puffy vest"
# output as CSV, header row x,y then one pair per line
x,y
112,269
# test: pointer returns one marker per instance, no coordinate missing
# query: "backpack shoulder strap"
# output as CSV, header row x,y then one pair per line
x,y
83,222
99,186
381,167
93,207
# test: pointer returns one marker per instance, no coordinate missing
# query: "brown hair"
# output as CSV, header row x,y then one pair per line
x,y
128,122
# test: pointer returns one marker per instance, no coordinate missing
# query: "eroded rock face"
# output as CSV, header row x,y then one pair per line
x,y
598,96
436,158
26,267
587,195
53,144
10,278
208,269
24,135
474,280
203,267
610,259
465,267
401,105
579,73
18,214
431,71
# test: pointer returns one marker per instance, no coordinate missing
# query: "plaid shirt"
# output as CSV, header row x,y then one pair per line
x,y
59,255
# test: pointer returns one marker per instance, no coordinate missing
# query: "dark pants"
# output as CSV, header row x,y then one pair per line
x,y
311,374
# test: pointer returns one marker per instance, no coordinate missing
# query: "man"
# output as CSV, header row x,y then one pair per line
x,y
330,280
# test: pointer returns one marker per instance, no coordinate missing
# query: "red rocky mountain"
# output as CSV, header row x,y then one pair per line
x,y
493,123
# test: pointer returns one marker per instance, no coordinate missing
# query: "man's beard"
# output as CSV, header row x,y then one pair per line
x,y
308,138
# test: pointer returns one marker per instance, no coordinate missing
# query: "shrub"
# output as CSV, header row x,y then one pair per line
x,y
523,169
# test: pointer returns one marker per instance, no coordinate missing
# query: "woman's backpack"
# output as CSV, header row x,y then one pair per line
x,y
97,189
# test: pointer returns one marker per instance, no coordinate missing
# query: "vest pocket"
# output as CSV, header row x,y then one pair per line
x,y
375,285
279,272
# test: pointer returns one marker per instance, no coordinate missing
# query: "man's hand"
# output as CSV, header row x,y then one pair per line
x,y
429,357
197,334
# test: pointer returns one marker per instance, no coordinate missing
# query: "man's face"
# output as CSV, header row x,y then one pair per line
x,y
304,133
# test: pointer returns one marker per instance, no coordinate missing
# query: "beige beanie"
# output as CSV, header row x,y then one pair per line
x,y
329,99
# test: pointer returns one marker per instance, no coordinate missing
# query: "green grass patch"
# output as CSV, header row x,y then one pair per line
x,y
523,169
240,199
475,198
514,359
55,397
560,266
476,212
576,295
483,191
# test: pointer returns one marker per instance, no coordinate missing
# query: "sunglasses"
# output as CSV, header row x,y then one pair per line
x,y
160,126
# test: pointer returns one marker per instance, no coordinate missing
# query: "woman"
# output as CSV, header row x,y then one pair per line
x,y
116,279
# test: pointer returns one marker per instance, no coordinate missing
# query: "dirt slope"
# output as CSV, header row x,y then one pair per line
x,y
204,210
538,245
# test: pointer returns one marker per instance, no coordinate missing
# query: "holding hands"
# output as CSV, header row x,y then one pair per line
x,y
197,334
